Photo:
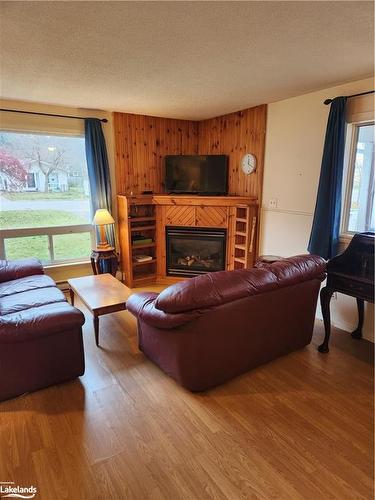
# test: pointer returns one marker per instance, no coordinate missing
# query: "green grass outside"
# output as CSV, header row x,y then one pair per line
x,y
39,218
72,194
66,246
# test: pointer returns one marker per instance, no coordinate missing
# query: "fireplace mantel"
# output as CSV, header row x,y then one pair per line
x,y
206,201
237,214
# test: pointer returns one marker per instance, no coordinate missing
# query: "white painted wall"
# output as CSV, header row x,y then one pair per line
x,y
294,145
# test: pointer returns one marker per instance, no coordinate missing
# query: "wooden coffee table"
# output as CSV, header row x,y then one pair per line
x,y
102,294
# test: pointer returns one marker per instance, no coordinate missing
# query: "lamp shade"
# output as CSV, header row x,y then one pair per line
x,y
102,217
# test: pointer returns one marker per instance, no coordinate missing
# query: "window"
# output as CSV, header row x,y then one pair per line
x,y
45,210
359,208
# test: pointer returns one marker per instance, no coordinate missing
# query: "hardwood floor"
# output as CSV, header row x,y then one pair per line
x,y
300,427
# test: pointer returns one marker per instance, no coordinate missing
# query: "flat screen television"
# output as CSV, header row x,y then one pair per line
x,y
206,175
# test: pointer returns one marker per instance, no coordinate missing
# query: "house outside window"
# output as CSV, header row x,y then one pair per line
x,y
358,214
44,210
30,181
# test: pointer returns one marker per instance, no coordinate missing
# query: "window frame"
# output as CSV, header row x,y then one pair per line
x,y
348,179
48,231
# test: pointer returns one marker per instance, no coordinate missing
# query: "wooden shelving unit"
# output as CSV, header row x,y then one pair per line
x,y
144,263
144,219
244,237
147,245
139,228
149,215
137,218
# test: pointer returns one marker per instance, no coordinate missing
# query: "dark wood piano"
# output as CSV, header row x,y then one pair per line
x,y
351,273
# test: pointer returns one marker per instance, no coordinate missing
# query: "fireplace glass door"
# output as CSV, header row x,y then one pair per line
x,y
195,250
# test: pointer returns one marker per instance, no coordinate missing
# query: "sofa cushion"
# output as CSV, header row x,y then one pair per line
x,y
25,284
218,288
37,322
15,269
31,305
31,299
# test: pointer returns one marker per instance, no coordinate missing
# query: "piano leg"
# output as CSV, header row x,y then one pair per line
x,y
357,334
325,298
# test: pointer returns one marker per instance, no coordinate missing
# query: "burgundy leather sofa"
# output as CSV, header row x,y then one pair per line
x,y
40,332
208,329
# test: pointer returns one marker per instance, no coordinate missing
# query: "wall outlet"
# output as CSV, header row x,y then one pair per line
x,y
272,203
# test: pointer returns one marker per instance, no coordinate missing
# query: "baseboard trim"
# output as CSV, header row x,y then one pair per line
x,y
347,327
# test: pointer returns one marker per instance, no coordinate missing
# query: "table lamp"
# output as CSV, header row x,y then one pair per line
x,y
102,218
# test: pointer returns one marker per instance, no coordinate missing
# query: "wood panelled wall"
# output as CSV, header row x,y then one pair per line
x,y
234,135
142,142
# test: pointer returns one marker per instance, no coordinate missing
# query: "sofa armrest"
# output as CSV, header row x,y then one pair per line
x,y
15,269
142,306
38,322
136,302
296,269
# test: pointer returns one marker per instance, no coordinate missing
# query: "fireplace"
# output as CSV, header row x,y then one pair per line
x,y
195,250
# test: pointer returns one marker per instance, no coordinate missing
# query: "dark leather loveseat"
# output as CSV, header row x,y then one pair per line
x,y
40,332
208,329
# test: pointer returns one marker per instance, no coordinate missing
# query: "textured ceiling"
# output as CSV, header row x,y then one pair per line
x,y
181,59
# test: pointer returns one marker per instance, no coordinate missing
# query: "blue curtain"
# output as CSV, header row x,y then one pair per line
x,y
325,230
98,170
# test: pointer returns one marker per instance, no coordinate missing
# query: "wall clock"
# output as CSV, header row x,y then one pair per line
x,y
248,164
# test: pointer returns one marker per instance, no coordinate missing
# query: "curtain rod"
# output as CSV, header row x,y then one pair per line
x,y
328,101
104,120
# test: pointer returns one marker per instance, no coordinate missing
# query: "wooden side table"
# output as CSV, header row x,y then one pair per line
x,y
269,259
104,261
266,260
